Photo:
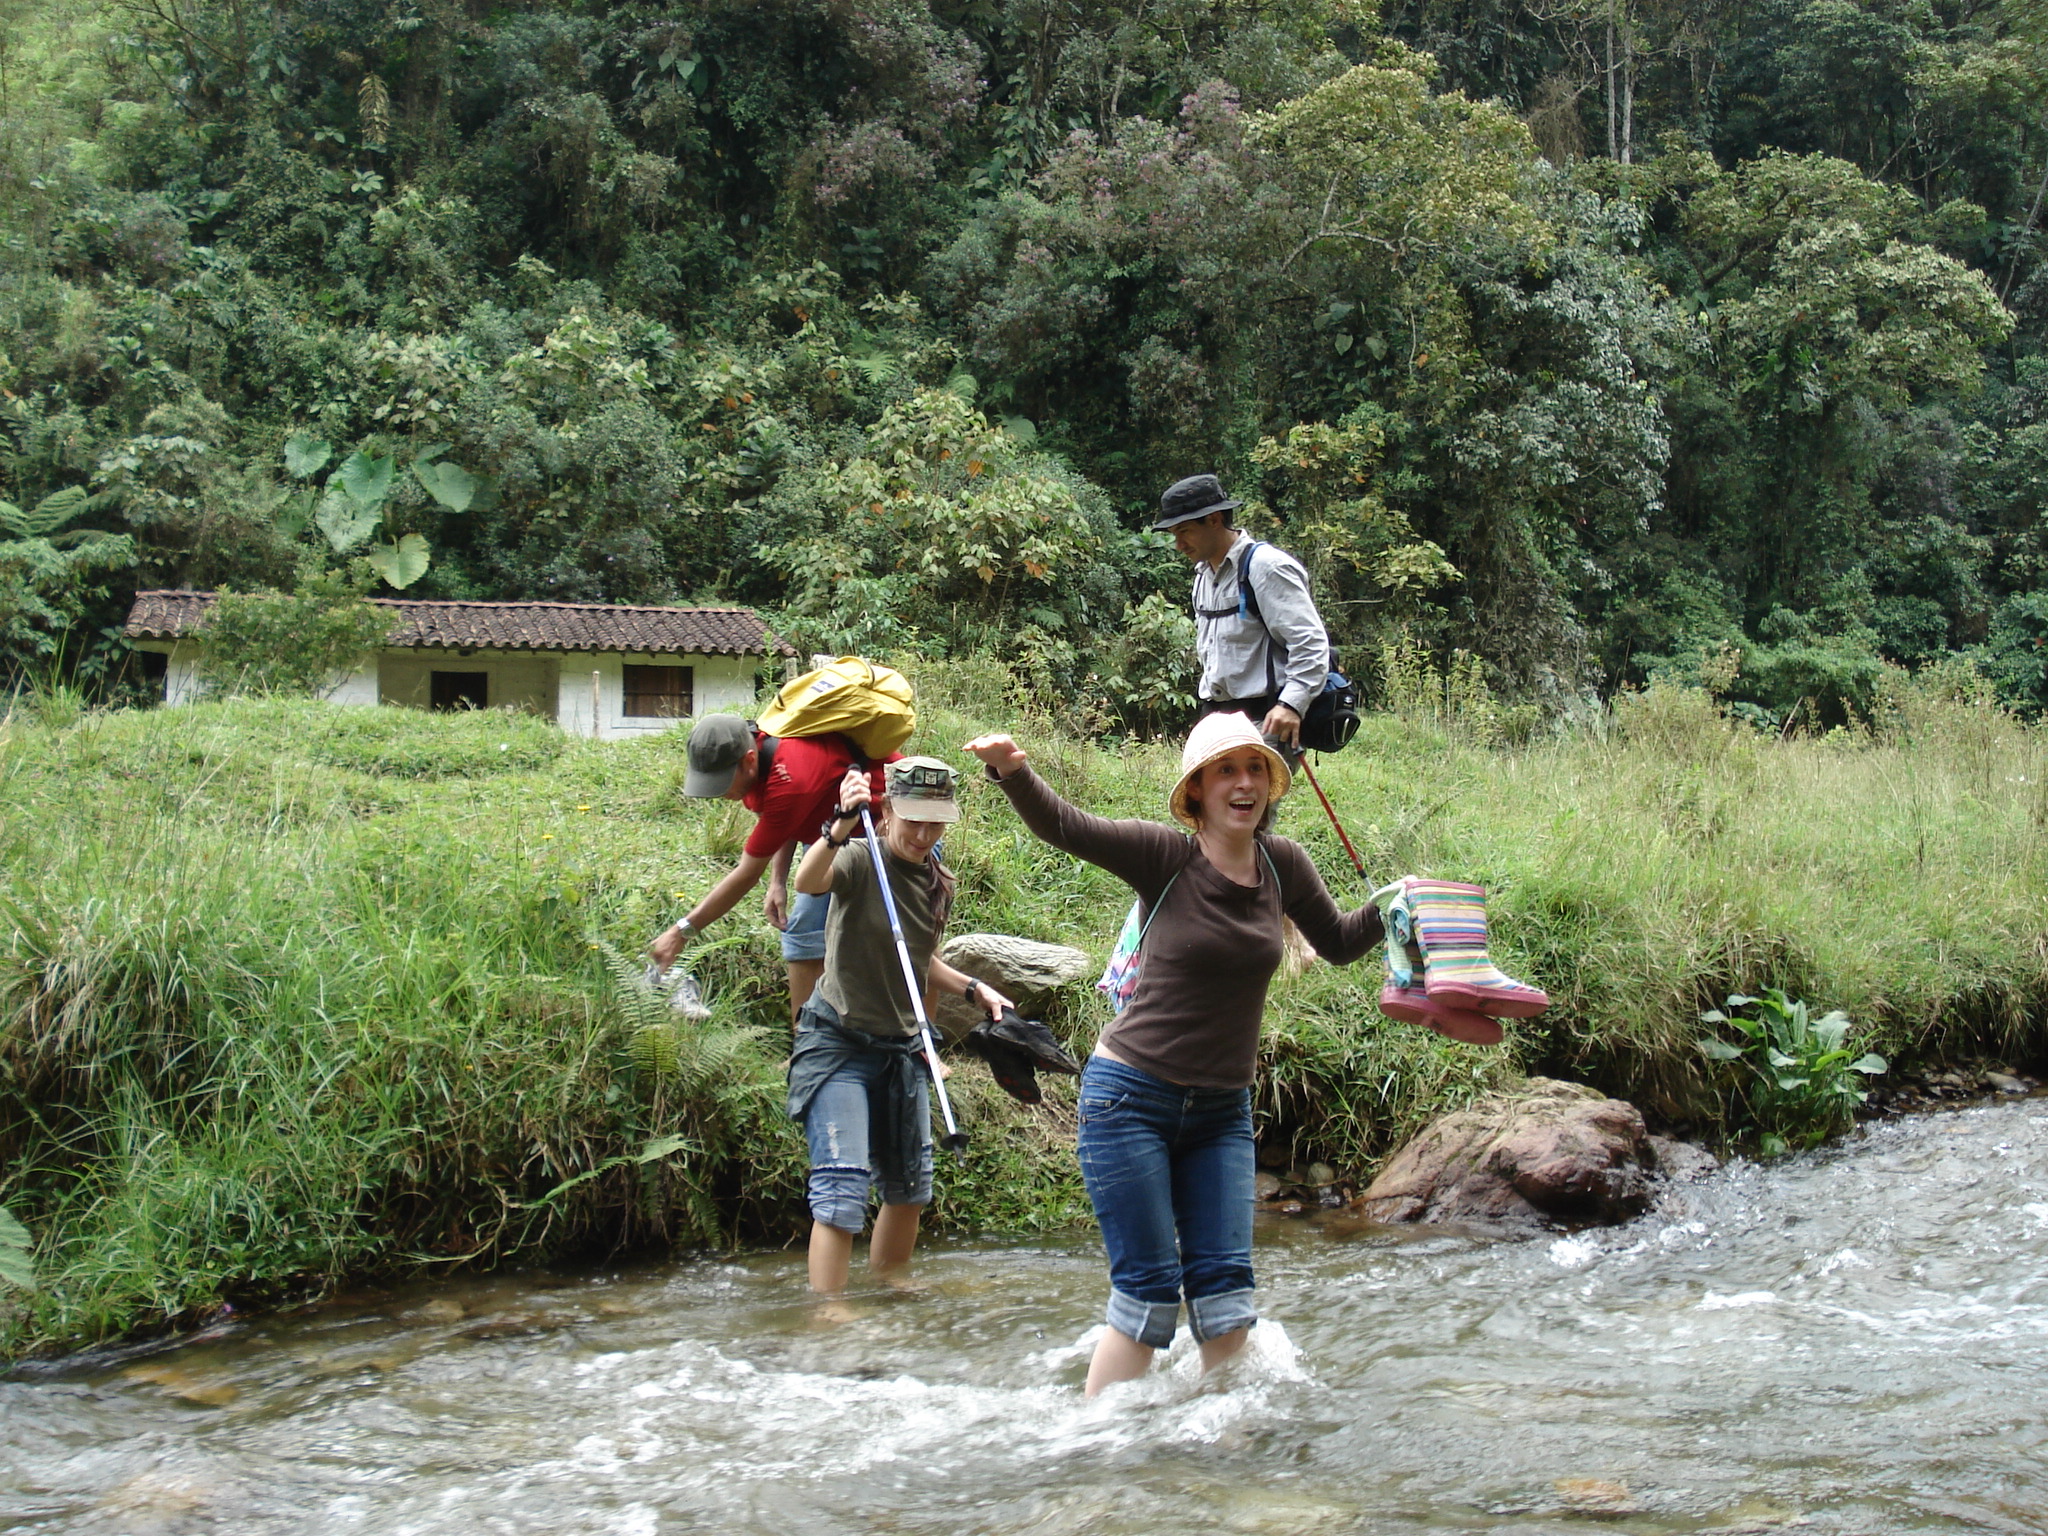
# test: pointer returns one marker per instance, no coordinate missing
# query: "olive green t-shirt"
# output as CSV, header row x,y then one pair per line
x,y
863,977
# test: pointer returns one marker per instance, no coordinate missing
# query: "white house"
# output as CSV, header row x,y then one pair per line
x,y
599,669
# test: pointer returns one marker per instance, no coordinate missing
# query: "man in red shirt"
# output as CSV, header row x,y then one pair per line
x,y
792,794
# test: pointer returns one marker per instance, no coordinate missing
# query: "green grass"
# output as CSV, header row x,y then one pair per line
x,y
290,993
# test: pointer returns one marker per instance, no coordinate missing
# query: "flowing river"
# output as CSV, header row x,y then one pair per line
x,y
1849,1341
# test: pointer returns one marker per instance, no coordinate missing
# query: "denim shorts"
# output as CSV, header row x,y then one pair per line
x,y
844,1163
804,938
1170,1171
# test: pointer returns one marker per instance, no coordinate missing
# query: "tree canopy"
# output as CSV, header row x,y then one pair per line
x,y
1599,341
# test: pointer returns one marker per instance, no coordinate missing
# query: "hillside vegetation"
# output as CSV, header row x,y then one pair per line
x,y
1592,341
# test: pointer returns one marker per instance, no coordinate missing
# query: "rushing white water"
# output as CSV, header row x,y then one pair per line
x,y
1853,1341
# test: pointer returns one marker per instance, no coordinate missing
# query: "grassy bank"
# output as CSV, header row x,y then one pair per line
x,y
290,992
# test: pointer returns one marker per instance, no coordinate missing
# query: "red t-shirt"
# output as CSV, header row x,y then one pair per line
x,y
801,790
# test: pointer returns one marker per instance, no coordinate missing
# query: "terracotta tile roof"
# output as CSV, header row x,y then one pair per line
x,y
171,615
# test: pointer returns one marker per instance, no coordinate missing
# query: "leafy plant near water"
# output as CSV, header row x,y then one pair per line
x,y
1803,1081
15,1245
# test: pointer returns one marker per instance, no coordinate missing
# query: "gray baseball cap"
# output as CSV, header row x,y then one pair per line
x,y
717,743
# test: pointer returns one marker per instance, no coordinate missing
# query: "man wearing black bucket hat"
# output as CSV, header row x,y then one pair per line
x,y
1262,645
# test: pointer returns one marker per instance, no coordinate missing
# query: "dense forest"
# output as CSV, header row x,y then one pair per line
x,y
1702,339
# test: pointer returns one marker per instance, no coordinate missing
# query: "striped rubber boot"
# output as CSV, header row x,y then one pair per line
x,y
1450,924
1413,1005
1406,999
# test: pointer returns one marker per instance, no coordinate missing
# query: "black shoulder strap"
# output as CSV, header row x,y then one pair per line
x,y
1247,604
764,762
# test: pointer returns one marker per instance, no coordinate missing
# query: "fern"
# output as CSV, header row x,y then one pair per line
x,y
47,516
877,366
687,1057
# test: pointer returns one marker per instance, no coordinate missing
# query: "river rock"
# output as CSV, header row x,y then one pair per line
x,y
1023,970
1680,1162
2004,1082
1545,1151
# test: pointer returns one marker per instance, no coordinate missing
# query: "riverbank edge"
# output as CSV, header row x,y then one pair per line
x,y
329,1006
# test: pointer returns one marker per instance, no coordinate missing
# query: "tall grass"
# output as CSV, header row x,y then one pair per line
x,y
291,992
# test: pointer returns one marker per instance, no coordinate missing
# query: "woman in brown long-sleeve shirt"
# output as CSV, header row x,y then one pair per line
x,y
1166,1134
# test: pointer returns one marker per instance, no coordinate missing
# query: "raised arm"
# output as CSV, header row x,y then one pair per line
x,y
1142,854
814,875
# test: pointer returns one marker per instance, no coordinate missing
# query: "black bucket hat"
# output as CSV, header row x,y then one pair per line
x,y
1196,496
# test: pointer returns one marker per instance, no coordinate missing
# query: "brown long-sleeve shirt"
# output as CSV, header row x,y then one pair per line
x,y
1213,945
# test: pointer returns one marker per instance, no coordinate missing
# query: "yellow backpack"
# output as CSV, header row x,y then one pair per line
x,y
870,706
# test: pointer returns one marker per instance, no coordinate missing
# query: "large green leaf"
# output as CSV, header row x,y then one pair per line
x,y
15,1245
449,484
294,512
652,1152
403,563
367,480
345,523
306,455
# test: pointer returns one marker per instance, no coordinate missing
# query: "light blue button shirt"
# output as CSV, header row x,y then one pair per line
x,y
1242,658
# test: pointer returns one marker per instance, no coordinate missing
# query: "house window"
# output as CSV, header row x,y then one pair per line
x,y
460,690
660,693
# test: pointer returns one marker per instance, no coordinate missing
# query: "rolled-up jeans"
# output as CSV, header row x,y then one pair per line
x,y
849,1156
1169,1171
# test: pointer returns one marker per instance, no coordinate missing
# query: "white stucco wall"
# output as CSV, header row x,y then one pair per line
x,y
551,683
719,684
182,685
523,680
358,687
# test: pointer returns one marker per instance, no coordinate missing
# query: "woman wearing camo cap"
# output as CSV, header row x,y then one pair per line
x,y
856,1078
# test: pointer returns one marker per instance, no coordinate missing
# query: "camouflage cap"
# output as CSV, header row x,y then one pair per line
x,y
923,789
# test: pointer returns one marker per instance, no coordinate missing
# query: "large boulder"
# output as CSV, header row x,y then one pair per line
x,y
1546,1151
1023,970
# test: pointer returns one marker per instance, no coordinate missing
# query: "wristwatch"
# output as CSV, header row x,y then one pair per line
x,y
973,986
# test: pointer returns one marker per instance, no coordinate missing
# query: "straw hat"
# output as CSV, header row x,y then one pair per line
x,y
1213,737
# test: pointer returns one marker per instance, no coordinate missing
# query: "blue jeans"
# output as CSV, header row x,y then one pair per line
x,y
1169,1171
804,937
845,1163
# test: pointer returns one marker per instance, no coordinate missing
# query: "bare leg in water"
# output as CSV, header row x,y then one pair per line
x,y
889,1250
1121,1358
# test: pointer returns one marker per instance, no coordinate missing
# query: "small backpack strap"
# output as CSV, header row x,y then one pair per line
x,y
1156,905
1247,599
1275,871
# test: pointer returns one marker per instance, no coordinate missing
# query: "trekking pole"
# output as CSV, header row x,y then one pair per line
x,y
955,1139
1356,862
